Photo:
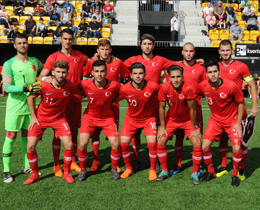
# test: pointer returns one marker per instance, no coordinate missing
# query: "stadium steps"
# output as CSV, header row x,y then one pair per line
x,y
192,24
126,31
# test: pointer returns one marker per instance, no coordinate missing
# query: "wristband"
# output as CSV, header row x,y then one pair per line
x,y
193,128
44,78
25,89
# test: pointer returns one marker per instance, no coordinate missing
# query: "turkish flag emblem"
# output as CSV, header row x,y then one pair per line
x,y
34,67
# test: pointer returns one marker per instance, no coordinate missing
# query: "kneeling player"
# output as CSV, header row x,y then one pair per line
x,y
181,99
226,103
140,95
50,114
99,115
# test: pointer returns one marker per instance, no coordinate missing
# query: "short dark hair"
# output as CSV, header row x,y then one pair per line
x,y
235,21
21,36
137,66
67,30
212,62
225,43
175,68
61,64
147,36
99,63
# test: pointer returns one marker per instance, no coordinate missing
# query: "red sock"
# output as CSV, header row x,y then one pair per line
x,y
162,156
196,159
152,154
223,151
178,149
136,141
237,157
126,154
56,151
33,161
207,157
244,157
74,137
67,158
83,157
95,144
115,157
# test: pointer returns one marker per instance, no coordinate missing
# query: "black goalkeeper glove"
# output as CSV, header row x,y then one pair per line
x,y
33,88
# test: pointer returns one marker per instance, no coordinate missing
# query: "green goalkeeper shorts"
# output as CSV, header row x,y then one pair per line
x,y
15,123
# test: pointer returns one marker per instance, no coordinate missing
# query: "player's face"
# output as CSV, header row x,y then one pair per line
x,y
99,73
137,75
188,52
104,51
66,40
147,46
21,45
176,79
60,74
225,52
213,73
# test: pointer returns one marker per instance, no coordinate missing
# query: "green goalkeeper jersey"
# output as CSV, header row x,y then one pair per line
x,y
17,74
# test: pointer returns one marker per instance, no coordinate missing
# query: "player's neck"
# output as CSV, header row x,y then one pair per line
x,y
227,62
147,57
215,85
188,63
100,84
22,57
138,86
107,60
56,84
66,52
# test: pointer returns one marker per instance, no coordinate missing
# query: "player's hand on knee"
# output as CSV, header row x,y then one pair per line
x,y
238,129
33,88
34,121
161,133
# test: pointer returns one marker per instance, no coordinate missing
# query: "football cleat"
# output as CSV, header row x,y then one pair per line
x,y
126,174
195,179
57,171
33,178
115,174
235,181
152,175
176,170
136,164
241,175
95,165
200,173
68,178
26,170
7,177
157,167
118,169
74,167
162,176
82,175
208,176
221,172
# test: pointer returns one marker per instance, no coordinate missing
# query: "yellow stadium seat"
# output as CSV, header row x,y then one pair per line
x,y
73,3
234,43
225,5
29,9
242,24
92,41
20,28
47,40
203,5
1,27
82,41
3,39
215,43
112,3
257,14
234,5
105,32
214,34
224,34
79,4
254,34
37,40
245,35
76,21
15,16
63,27
239,16
37,19
87,20
50,33
77,12
103,38
9,10
249,42
46,19
30,40
23,19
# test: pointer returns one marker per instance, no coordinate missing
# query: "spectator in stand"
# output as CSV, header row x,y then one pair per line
x,y
106,22
55,18
258,22
3,14
7,26
236,31
29,26
6,2
109,10
219,10
86,9
56,35
37,10
65,18
69,7
60,3
11,35
230,19
17,6
48,8
97,15
83,28
251,22
23,11
243,5
94,28
211,21
97,5
247,11
214,3
174,29
228,11
31,3
221,23
206,11
257,83
58,9
41,29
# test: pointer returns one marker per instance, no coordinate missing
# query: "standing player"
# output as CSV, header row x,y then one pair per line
x,y
235,71
18,72
99,115
115,69
50,114
181,99
140,115
76,62
227,105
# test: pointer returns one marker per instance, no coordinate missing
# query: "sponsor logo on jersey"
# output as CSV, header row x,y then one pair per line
x,y
194,71
90,93
223,95
207,92
47,94
113,69
147,94
66,93
154,64
169,96
130,96
232,71
181,96
34,67
108,93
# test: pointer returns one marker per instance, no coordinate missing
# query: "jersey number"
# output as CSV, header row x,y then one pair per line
x,y
153,124
66,126
170,103
132,102
209,100
91,100
49,100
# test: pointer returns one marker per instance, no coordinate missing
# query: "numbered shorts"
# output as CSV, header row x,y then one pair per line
x,y
131,126
108,126
173,126
215,130
60,128
15,123
73,114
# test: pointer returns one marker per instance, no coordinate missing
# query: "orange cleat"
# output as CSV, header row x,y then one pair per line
x,y
33,178
57,171
118,169
95,165
152,175
127,173
68,178
74,167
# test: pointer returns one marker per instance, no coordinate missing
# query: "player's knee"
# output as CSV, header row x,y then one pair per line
x,y
115,145
68,145
205,147
83,146
11,135
236,148
161,141
31,148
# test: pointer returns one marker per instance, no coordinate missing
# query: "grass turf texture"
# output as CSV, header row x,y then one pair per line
x,y
99,191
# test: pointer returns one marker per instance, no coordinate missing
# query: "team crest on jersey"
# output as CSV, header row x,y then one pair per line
x,y
154,64
34,67
76,60
194,71
232,71
66,93
181,96
108,93
113,69
147,94
223,95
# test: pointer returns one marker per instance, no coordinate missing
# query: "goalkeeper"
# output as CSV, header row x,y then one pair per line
x,y
19,76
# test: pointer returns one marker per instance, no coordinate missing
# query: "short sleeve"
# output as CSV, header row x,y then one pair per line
x,y
49,63
190,93
121,93
161,94
124,71
40,65
87,68
128,62
199,91
238,94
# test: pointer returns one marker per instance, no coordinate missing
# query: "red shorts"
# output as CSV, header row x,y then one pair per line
x,y
215,130
156,105
172,127
131,126
115,109
60,128
73,114
108,126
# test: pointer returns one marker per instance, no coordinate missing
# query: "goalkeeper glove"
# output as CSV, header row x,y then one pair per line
x,y
33,88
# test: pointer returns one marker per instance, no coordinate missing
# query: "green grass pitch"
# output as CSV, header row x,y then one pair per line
x,y
99,191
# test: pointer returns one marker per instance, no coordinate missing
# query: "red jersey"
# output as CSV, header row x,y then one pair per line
x,y
100,100
235,72
177,101
223,101
140,102
114,69
54,101
76,62
108,8
154,66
